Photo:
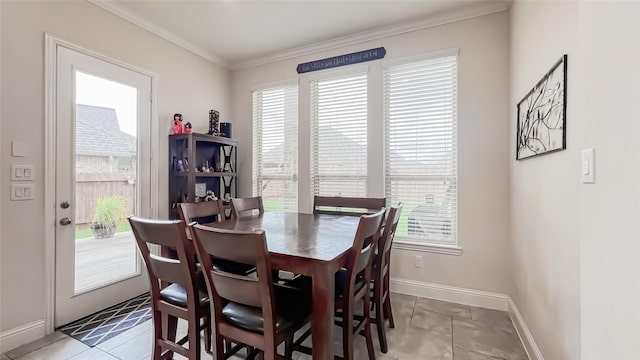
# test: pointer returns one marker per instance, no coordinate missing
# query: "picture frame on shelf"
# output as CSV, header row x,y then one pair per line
x,y
201,190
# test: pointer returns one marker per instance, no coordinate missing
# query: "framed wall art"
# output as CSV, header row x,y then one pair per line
x,y
542,115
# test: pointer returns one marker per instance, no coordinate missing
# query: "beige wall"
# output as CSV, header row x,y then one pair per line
x,y
609,115
544,190
483,143
186,83
575,246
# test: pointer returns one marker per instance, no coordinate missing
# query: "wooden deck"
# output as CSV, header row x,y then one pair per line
x,y
102,261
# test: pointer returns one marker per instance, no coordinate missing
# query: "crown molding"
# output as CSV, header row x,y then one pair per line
x,y
480,9
118,10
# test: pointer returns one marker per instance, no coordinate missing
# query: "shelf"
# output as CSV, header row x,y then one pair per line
x,y
204,174
201,149
215,174
205,138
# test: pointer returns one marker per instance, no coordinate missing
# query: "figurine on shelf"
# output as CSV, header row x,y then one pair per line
x,y
214,118
210,196
180,166
187,128
177,123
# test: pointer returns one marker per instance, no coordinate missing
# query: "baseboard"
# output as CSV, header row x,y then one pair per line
x,y
453,294
12,338
525,335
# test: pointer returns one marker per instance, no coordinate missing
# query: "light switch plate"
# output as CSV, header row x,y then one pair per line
x,y
21,172
588,166
21,192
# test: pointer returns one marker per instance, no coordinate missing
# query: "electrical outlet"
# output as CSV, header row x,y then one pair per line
x,y
418,261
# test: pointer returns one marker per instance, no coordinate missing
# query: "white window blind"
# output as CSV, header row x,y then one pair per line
x,y
275,147
339,136
420,113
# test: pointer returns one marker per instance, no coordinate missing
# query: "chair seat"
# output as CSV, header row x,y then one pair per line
x,y
293,307
175,294
234,267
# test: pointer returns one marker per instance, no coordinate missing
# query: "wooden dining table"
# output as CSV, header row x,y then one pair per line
x,y
313,245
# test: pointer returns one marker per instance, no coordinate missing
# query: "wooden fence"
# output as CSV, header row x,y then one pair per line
x,y
90,187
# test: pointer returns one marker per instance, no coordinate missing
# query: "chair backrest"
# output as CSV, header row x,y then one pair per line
x,y
240,206
386,240
202,212
364,243
170,234
352,206
239,246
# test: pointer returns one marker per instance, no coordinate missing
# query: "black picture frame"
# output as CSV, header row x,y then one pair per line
x,y
542,115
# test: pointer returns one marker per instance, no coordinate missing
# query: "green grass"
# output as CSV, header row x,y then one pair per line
x,y
86,233
271,204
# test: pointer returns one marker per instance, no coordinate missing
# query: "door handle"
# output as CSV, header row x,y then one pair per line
x,y
65,221
64,205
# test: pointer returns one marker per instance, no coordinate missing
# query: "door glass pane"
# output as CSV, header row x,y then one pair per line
x,y
105,188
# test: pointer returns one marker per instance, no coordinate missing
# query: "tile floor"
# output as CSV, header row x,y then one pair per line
x,y
425,329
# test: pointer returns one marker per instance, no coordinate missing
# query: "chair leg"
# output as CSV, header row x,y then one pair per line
x,y
347,332
387,301
377,304
269,354
157,331
388,311
172,327
380,327
207,333
193,331
218,346
367,328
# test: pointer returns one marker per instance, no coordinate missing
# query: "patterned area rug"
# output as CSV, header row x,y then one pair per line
x,y
105,324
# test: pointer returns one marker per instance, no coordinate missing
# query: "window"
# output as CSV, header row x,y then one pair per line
x,y
275,147
420,104
339,136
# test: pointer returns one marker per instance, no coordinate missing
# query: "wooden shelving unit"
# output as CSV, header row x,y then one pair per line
x,y
188,153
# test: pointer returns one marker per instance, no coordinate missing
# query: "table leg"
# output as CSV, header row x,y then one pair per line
x,y
322,316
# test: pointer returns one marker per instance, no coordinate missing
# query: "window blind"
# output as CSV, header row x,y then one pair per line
x,y
275,147
339,136
420,114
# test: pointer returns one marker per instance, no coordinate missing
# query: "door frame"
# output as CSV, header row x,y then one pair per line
x,y
52,42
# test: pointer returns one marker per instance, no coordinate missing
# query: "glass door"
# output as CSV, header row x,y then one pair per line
x,y
102,176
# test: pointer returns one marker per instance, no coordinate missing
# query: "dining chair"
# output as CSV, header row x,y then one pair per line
x,y
183,298
248,310
208,212
380,275
352,288
240,206
352,284
202,212
352,206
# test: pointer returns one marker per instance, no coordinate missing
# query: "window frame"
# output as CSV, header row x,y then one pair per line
x,y
257,153
407,243
348,71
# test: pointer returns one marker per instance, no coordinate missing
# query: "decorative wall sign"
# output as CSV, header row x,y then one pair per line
x,y
342,60
542,114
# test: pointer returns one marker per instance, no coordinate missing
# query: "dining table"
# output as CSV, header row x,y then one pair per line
x,y
312,245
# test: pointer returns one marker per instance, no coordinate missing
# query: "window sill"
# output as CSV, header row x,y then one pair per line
x,y
431,248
